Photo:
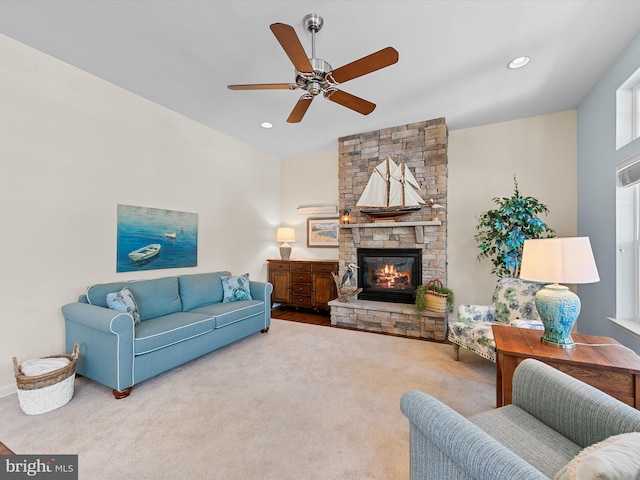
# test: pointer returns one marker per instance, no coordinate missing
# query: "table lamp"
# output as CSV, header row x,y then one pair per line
x,y
558,260
285,234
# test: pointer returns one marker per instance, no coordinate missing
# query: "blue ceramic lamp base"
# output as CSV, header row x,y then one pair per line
x,y
559,308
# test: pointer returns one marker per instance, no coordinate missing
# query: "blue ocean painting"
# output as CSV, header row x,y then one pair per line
x,y
152,238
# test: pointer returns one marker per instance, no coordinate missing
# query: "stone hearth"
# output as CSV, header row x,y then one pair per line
x,y
423,147
386,317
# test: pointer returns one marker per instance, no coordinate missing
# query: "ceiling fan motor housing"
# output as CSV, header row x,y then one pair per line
x,y
317,82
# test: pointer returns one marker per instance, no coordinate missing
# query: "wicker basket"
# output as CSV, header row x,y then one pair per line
x,y
435,302
42,393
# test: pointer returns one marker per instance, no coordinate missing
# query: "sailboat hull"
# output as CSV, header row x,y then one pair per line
x,y
387,212
390,192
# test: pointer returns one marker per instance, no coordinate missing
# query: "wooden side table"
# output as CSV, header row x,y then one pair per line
x,y
613,369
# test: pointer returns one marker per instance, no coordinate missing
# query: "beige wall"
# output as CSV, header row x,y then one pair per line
x,y
309,180
541,153
72,148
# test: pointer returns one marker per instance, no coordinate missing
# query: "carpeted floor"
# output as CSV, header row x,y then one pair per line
x,y
302,402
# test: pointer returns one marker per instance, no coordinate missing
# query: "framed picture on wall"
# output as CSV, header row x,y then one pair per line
x,y
322,232
152,238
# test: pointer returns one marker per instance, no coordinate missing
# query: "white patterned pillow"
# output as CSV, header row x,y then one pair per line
x,y
615,458
123,301
235,288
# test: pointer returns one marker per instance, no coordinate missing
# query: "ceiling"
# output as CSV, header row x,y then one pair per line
x,y
182,54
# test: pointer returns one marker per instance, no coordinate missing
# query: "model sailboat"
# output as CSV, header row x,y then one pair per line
x,y
391,191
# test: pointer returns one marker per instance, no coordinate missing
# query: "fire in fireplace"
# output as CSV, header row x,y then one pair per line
x,y
389,274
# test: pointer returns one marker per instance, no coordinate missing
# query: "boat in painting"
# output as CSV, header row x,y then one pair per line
x,y
171,235
145,253
391,191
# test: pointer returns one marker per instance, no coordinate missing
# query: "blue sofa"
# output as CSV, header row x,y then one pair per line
x,y
180,318
555,426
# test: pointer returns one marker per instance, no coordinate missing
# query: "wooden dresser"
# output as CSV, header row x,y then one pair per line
x,y
303,283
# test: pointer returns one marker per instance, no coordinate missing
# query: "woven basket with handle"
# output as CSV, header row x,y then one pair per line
x,y
435,302
42,393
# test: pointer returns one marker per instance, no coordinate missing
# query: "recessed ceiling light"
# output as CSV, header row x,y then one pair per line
x,y
518,62
266,125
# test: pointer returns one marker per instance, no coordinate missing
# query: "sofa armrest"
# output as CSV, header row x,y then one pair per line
x,y
106,343
98,318
476,313
580,412
260,291
444,444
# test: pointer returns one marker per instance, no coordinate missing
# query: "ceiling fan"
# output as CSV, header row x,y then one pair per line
x,y
315,76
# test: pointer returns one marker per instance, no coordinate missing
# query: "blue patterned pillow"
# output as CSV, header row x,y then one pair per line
x,y
123,301
235,288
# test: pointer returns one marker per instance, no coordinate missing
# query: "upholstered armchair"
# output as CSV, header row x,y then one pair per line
x,y
513,303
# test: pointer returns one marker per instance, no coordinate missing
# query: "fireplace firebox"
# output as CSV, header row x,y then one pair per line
x,y
389,274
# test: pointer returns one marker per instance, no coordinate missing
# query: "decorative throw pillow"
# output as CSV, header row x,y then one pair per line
x,y
123,301
615,458
235,288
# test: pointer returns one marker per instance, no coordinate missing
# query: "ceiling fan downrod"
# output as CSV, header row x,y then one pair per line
x,y
313,22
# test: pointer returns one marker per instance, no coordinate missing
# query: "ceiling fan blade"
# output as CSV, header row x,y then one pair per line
x,y
264,86
300,109
380,59
290,42
356,104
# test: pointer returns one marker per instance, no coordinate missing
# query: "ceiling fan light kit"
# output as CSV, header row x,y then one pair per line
x,y
316,76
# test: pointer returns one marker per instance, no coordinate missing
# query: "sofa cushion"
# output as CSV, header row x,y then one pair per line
x,y
616,457
97,294
227,313
123,301
526,436
169,329
235,288
157,297
200,289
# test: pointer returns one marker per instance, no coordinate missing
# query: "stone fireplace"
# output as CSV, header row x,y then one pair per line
x,y
423,148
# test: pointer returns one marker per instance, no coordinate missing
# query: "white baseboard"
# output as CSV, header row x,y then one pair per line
x,y
7,390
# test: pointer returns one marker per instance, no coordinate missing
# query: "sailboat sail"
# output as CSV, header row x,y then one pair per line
x,y
391,188
402,187
377,191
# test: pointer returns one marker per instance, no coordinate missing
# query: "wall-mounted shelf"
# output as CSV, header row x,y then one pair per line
x,y
419,228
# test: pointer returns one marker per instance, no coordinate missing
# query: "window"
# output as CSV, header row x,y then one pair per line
x,y
628,110
636,111
628,244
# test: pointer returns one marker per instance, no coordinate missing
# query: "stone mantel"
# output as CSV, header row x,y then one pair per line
x,y
355,228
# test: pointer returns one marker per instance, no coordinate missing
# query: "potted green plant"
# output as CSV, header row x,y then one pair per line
x,y
501,232
421,300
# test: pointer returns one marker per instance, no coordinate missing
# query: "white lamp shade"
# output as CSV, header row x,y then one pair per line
x,y
559,260
285,234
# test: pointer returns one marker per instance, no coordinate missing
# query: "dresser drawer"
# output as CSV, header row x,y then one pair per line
x,y
300,267
300,277
301,300
300,289
325,268
279,266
